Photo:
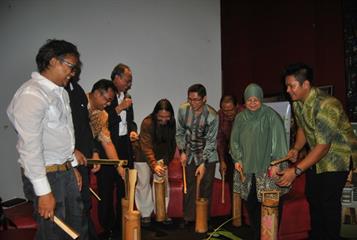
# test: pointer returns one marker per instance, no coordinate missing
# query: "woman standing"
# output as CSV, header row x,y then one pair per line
x,y
258,137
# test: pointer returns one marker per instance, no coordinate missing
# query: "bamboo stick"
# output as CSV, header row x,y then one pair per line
x,y
72,233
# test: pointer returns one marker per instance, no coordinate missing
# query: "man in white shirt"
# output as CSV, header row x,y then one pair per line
x,y
41,115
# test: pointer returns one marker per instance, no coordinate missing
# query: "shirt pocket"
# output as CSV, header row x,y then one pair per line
x,y
55,117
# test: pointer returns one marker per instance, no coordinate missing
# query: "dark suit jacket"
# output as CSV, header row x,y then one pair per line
x,y
84,141
113,121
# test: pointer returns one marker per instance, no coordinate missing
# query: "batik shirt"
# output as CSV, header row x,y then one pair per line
x,y
324,122
196,135
98,120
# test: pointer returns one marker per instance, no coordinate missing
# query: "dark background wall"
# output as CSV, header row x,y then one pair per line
x,y
259,38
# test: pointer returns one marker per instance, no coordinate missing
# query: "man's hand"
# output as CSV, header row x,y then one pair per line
x,y
200,170
286,177
96,167
222,167
127,102
46,205
183,159
293,154
134,136
78,178
159,170
81,159
273,171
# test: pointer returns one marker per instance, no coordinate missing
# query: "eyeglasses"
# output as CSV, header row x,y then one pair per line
x,y
194,99
70,65
107,99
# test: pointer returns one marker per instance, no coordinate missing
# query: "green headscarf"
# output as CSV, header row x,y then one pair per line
x,y
257,137
253,90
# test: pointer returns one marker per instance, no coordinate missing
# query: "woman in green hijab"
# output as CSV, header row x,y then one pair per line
x,y
257,138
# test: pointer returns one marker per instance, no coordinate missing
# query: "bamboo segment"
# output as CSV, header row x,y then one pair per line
x,y
132,218
223,174
132,182
72,233
201,215
184,178
201,209
107,162
124,207
132,225
237,210
269,215
94,194
160,201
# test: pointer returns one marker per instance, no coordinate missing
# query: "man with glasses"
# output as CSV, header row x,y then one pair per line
x,y
84,147
103,92
41,115
197,126
122,130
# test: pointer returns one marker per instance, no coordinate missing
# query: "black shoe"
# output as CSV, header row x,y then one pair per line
x,y
167,221
146,222
187,224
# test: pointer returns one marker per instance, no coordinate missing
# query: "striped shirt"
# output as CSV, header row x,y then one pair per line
x,y
197,134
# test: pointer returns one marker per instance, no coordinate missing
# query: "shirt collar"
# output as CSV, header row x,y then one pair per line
x,y
46,82
309,101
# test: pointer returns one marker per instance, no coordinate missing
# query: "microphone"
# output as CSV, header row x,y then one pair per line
x,y
127,95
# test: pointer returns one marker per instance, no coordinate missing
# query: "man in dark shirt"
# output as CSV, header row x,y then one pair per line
x,y
229,108
84,147
122,129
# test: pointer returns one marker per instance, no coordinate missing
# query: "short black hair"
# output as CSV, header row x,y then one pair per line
x,y
119,70
198,88
55,49
300,71
103,85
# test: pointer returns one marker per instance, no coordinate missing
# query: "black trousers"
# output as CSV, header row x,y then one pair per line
x,y
89,230
323,192
109,180
205,189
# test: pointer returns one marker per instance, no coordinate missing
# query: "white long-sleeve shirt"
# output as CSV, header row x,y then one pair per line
x,y
41,115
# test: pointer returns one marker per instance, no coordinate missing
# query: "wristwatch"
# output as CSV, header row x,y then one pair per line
x,y
298,171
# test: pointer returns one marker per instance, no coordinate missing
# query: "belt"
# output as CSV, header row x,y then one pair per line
x,y
59,167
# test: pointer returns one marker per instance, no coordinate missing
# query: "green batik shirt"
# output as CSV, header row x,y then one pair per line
x,y
324,122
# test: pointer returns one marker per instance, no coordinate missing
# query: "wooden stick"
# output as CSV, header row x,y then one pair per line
x,y
184,179
126,183
107,162
198,182
95,195
222,200
279,160
72,233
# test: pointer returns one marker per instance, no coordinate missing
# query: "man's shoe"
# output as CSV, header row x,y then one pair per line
x,y
167,221
187,224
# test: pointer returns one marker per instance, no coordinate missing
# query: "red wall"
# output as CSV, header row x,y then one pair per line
x,y
259,38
